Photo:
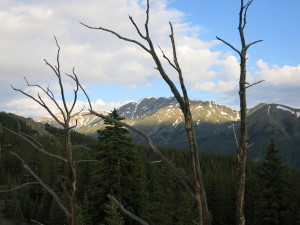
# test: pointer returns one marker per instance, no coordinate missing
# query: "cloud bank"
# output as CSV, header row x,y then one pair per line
x,y
28,27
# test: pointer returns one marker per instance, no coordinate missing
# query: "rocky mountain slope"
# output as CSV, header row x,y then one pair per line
x,y
162,120
152,112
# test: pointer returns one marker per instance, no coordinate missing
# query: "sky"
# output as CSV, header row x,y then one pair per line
x,y
114,72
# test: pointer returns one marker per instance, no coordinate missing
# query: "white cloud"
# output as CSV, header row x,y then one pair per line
x,y
28,27
281,85
28,108
219,87
286,76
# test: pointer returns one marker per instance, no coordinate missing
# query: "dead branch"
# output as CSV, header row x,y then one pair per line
x,y
82,146
87,160
254,42
157,161
198,191
235,138
126,212
175,171
243,143
66,113
230,45
32,220
25,185
119,36
43,184
40,102
254,83
34,143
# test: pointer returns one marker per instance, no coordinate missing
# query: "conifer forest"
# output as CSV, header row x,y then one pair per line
x,y
114,165
53,175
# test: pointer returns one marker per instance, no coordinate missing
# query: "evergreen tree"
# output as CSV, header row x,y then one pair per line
x,y
272,209
113,215
84,218
119,172
56,215
18,217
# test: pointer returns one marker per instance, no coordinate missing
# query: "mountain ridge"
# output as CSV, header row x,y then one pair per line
x,y
162,119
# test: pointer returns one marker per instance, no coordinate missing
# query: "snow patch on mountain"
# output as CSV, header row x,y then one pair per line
x,y
224,113
178,121
294,112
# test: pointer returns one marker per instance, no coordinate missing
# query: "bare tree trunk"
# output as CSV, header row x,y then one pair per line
x,y
200,194
71,176
243,144
66,113
242,151
183,100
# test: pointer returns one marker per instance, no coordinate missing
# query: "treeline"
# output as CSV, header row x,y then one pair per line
x,y
114,165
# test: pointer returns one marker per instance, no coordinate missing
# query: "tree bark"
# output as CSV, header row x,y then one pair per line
x,y
243,143
183,100
66,113
242,151
71,176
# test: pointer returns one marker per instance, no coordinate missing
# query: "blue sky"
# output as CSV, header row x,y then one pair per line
x,y
115,72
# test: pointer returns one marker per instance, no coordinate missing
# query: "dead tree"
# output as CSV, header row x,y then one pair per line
x,y
243,143
183,100
66,111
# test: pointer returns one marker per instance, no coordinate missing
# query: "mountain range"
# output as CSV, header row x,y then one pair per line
x,y
162,120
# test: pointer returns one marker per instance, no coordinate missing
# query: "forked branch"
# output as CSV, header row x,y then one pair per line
x,y
197,191
118,35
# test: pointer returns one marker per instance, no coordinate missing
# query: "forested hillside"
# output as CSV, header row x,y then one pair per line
x,y
137,178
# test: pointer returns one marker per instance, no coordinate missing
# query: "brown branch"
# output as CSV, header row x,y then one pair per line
x,y
254,83
40,102
70,128
43,184
50,94
36,222
157,161
254,42
175,171
118,35
56,70
230,45
245,12
137,29
25,185
125,211
82,146
74,77
87,160
235,137
180,77
41,149
147,20
197,191
169,61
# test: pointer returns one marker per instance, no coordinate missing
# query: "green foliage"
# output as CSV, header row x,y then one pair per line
x,y
147,189
272,204
56,215
118,172
18,217
113,215
83,217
